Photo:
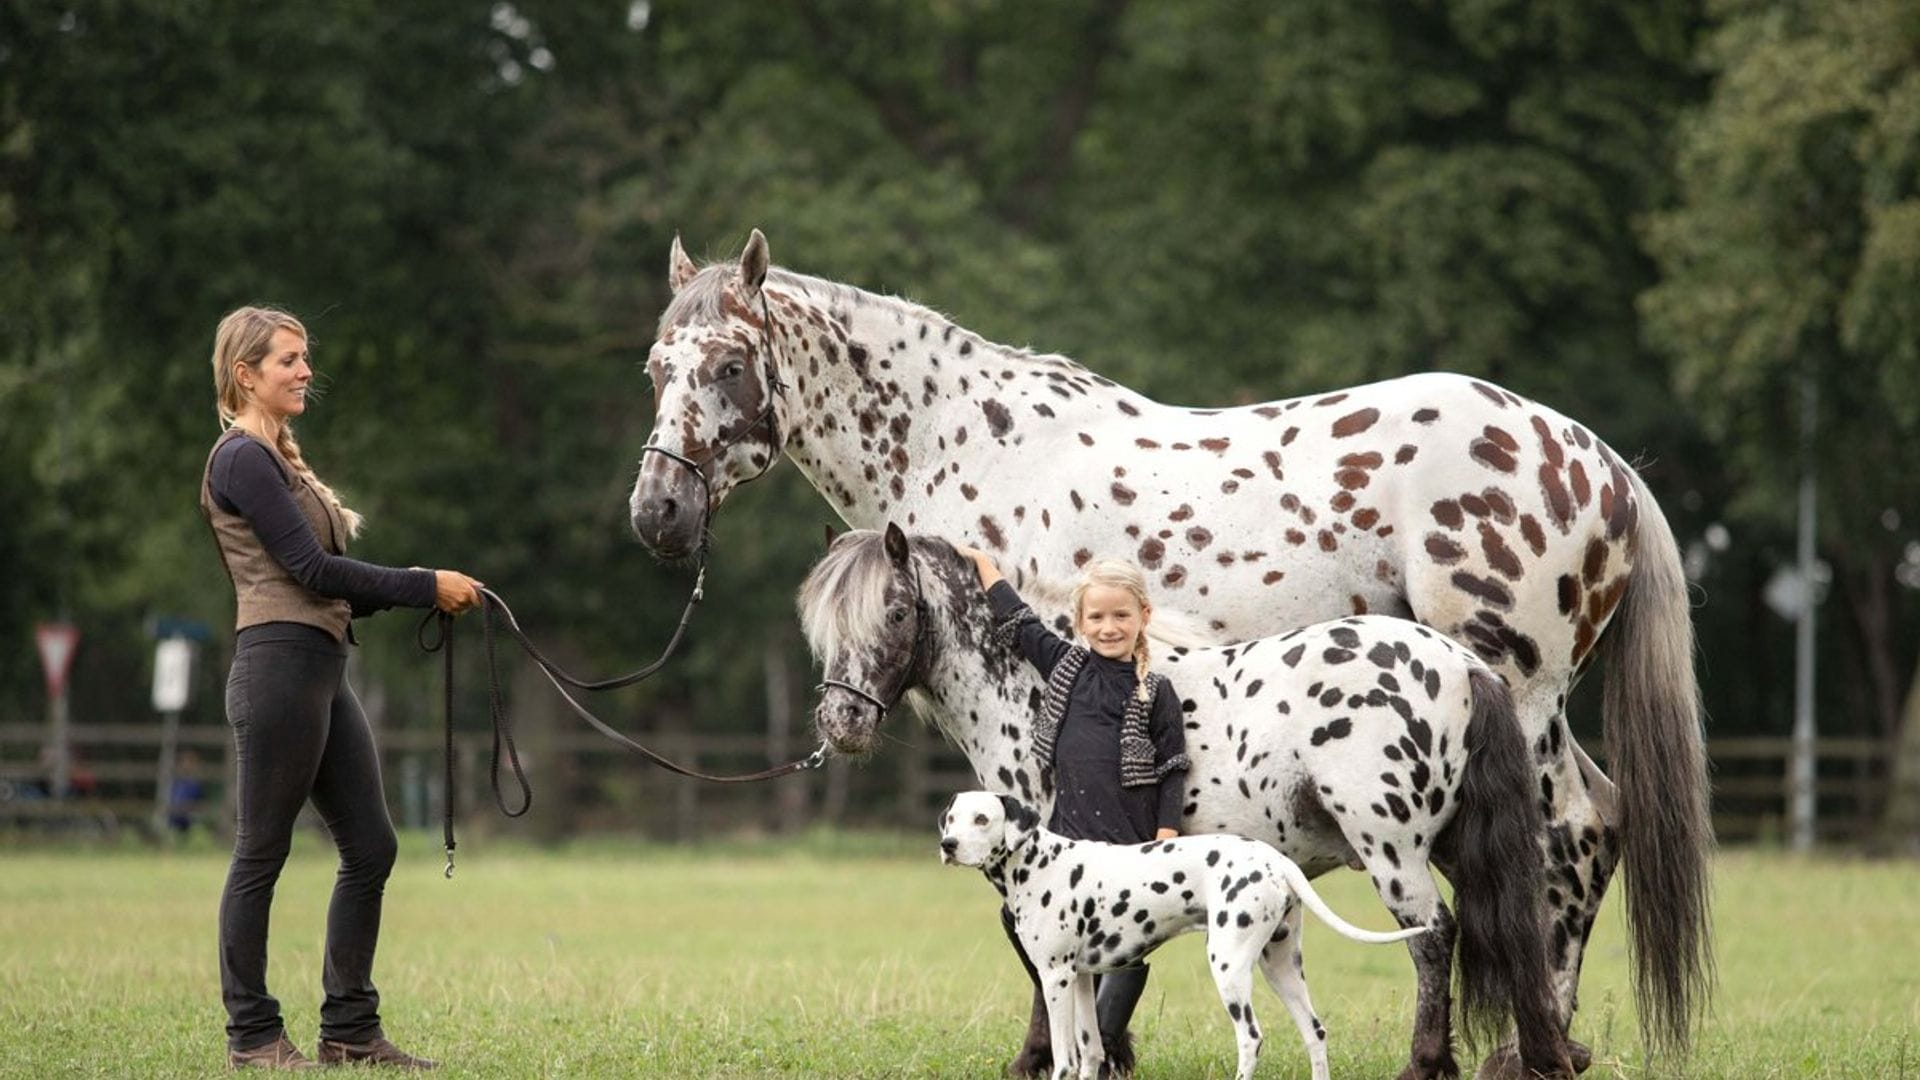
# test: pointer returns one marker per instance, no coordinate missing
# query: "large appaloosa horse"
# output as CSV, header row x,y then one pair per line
x,y
1437,497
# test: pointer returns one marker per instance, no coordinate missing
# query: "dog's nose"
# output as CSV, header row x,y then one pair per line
x,y
949,844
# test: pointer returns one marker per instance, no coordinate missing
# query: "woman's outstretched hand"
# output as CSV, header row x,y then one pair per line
x,y
455,592
983,565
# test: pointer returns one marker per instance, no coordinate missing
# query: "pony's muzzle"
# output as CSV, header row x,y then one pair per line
x,y
848,724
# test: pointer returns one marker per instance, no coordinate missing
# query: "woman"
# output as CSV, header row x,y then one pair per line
x,y
298,730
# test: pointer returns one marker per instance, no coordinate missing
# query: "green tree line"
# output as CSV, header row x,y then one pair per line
x,y
1668,218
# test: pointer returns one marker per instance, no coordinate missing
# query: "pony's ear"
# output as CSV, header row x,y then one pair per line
x,y
753,265
896,545
680,269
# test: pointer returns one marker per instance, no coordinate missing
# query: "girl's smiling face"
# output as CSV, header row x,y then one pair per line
x,y
1112,620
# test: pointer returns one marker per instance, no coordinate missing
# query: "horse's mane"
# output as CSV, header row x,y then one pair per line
x,y
702,300
847,590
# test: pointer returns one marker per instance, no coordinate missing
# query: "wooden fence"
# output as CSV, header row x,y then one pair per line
x,y
583,783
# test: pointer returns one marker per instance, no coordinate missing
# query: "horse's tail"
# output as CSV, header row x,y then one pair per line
x,y
1495,844
1296,879
1657,756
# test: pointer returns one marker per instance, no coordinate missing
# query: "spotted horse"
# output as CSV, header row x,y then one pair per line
x,y
1449,500
1368,740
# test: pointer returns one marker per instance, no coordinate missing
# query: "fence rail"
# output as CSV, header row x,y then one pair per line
x,y
584,783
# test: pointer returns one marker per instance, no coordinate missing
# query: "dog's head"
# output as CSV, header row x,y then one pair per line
x,y
979,828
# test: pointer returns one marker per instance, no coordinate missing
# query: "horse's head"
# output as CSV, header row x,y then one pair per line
x,y
715,420
871,626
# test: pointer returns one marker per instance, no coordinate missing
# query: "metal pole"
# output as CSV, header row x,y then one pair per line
x,y
1803,719
163,776
59,768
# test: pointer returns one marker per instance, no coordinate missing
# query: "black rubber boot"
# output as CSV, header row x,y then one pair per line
x,y
1113,1006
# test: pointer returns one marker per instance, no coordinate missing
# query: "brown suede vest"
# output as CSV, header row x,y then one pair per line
x,y
264,589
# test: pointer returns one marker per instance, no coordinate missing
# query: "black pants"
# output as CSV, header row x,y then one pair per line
x,y
298,733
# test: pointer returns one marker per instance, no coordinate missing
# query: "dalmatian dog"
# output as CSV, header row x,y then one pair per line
x,y
1082,907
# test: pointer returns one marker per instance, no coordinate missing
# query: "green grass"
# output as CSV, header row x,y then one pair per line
x,y
846,957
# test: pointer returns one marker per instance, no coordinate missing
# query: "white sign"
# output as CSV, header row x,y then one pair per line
x,y
56,642
172,669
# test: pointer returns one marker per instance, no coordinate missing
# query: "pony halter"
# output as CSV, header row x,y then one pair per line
x,y
922,648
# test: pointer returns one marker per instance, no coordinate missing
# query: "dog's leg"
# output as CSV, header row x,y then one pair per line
x,y
1036,1052
1086,1028
1057,983
1231,951
1280,963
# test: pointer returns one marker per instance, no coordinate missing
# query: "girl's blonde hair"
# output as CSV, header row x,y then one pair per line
x,y
1118,574
244,337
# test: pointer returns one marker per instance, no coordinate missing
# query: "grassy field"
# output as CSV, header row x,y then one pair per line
x,y
846,957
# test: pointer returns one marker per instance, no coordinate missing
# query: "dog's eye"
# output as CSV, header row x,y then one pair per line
x,y
979,819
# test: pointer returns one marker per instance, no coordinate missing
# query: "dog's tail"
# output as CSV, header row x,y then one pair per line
x,y
1297,880
1494,846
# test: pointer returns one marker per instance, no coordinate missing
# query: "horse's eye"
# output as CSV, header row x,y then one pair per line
x,y
733,370
897,615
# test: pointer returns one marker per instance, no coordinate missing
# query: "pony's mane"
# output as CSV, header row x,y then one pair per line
x,y
845,594
702,300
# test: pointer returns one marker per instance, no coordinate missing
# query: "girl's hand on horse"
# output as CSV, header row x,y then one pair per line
x,y
1166,834
455,592
983,565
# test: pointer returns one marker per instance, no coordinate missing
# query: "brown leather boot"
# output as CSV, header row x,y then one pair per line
x,y
378,1052
278,1054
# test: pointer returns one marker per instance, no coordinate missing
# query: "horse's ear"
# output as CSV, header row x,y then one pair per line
x,y
896,544
680,269
753,264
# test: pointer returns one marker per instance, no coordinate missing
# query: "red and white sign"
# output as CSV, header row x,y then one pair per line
x,y
56,641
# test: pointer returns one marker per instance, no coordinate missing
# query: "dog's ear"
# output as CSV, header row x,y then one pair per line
x,y
831,536
1019,814
945,811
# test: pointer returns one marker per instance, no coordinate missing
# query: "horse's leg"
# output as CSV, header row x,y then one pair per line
x,y
1280,963
1036,1052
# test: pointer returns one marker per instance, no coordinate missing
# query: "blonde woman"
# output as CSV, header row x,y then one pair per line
x,y
1111,732
298,730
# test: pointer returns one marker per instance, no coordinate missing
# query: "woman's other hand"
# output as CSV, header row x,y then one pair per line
x,y
455,592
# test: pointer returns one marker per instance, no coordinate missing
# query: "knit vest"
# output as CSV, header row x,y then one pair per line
x,y
1137,764
264,590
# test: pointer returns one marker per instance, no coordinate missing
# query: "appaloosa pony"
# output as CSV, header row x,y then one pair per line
x,y
1367,740
1442,498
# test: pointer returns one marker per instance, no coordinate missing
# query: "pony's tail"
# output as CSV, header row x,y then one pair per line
x,y
1495,843
1656,753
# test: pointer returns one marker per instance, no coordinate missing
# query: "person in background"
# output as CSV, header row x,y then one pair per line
x,y
299,733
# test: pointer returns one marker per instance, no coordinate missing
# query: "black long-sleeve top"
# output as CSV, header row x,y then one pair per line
x,y
246,480
1090,803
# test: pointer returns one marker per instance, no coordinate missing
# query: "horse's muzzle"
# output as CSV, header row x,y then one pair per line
x,y
666,514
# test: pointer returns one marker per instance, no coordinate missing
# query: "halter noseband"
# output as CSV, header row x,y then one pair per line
x,y
776,389
922,635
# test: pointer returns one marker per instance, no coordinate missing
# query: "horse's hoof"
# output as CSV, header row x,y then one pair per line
x,y
1581,1057
1504,1063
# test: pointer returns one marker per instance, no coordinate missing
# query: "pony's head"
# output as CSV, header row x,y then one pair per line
x,y
869,622
716,420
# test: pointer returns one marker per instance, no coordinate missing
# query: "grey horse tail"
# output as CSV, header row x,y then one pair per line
x,y
1657,756
1494,850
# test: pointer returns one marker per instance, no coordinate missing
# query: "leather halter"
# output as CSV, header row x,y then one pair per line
x,y
776,389
922,649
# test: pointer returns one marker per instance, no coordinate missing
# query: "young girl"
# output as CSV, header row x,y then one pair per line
x,y
1110,730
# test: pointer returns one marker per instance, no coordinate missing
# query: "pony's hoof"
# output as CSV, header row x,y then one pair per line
x,y
1504,1063
1031,1062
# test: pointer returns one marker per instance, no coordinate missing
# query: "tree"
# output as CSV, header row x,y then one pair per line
x,y
1792,261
